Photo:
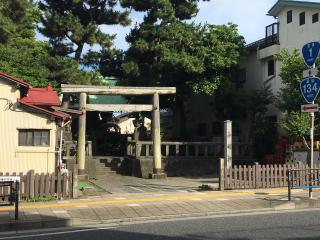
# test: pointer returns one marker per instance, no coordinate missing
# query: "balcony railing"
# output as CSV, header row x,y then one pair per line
x,y
271,37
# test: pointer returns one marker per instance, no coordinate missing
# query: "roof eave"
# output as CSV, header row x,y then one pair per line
x,y
20,82
276,8
56,115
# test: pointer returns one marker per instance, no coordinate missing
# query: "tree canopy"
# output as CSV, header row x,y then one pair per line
x,y
24,57
165,50
70,25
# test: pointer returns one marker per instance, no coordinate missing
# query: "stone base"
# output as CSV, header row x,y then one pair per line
x,y
83,177
158,176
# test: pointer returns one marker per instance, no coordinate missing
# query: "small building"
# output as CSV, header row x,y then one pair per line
x,y
30,127
126,123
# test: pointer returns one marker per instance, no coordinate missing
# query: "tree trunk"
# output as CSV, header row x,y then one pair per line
x,y
180,115
78,52
308,150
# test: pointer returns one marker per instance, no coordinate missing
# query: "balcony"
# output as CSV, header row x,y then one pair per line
x,y
271,37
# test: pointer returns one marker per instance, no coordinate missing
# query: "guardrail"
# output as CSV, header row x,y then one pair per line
x,y
303,178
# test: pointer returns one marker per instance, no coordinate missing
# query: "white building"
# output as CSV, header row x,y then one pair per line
x,y
296,23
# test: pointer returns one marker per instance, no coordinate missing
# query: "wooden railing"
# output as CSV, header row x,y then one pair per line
x,y
186,149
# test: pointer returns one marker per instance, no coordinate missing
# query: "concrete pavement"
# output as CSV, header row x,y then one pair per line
x,y
115,208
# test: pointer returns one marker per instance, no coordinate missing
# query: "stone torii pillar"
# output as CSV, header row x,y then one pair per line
x,y
156,138
81,146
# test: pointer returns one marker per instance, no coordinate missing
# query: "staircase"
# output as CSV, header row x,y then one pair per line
x,y
103,165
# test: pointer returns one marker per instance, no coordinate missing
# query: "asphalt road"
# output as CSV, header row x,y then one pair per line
x,y
282,225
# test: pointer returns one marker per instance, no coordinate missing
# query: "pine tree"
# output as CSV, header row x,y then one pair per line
x,y
165,50
70,25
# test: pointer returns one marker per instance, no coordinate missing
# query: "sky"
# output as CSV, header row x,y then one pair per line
x,y
250,16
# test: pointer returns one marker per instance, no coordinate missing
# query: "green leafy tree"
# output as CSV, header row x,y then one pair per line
x,y
70,25
165,50
24,57
16,17
290,98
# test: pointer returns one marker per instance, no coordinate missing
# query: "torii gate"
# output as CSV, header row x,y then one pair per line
x,y
85,90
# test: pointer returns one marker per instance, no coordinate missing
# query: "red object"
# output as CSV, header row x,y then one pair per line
x,y
56,114
2,74
42,97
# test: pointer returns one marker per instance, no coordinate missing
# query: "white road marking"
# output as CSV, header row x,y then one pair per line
x,y
133,205
59,211
137,189
200,193
63,202
55,233
119,198
182,191
196,199
31,213
221,199
82,206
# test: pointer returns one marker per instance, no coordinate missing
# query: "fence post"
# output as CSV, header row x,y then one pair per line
x,y
221,175
289,185
228,143
74,181
256,174
31,186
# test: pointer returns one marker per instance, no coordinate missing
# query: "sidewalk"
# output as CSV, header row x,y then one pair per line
x,y
116,208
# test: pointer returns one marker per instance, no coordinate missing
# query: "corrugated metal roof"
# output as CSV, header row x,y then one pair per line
x,y
42,97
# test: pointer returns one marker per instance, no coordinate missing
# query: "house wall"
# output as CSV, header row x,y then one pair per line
x,y
293,35
14,158
127,126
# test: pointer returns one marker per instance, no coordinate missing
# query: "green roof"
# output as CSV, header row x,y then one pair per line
x,y
107,99
274,11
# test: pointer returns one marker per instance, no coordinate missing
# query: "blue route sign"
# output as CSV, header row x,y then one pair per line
x,y
310,52
310,88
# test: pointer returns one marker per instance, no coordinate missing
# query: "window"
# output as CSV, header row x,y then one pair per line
x,y
271,69
289,16
202,129
302,18
34,137
315,18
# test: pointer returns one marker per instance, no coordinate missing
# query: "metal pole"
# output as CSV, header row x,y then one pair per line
x,y
16,212
311,147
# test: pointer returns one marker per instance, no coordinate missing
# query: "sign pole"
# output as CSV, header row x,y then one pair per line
x,y
311,147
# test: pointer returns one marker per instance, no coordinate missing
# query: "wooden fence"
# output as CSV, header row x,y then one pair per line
x,y
261,176
38,185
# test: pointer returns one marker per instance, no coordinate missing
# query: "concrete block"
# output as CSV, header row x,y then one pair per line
x,y
158,176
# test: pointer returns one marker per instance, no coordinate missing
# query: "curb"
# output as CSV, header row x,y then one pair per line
x,y
275,205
